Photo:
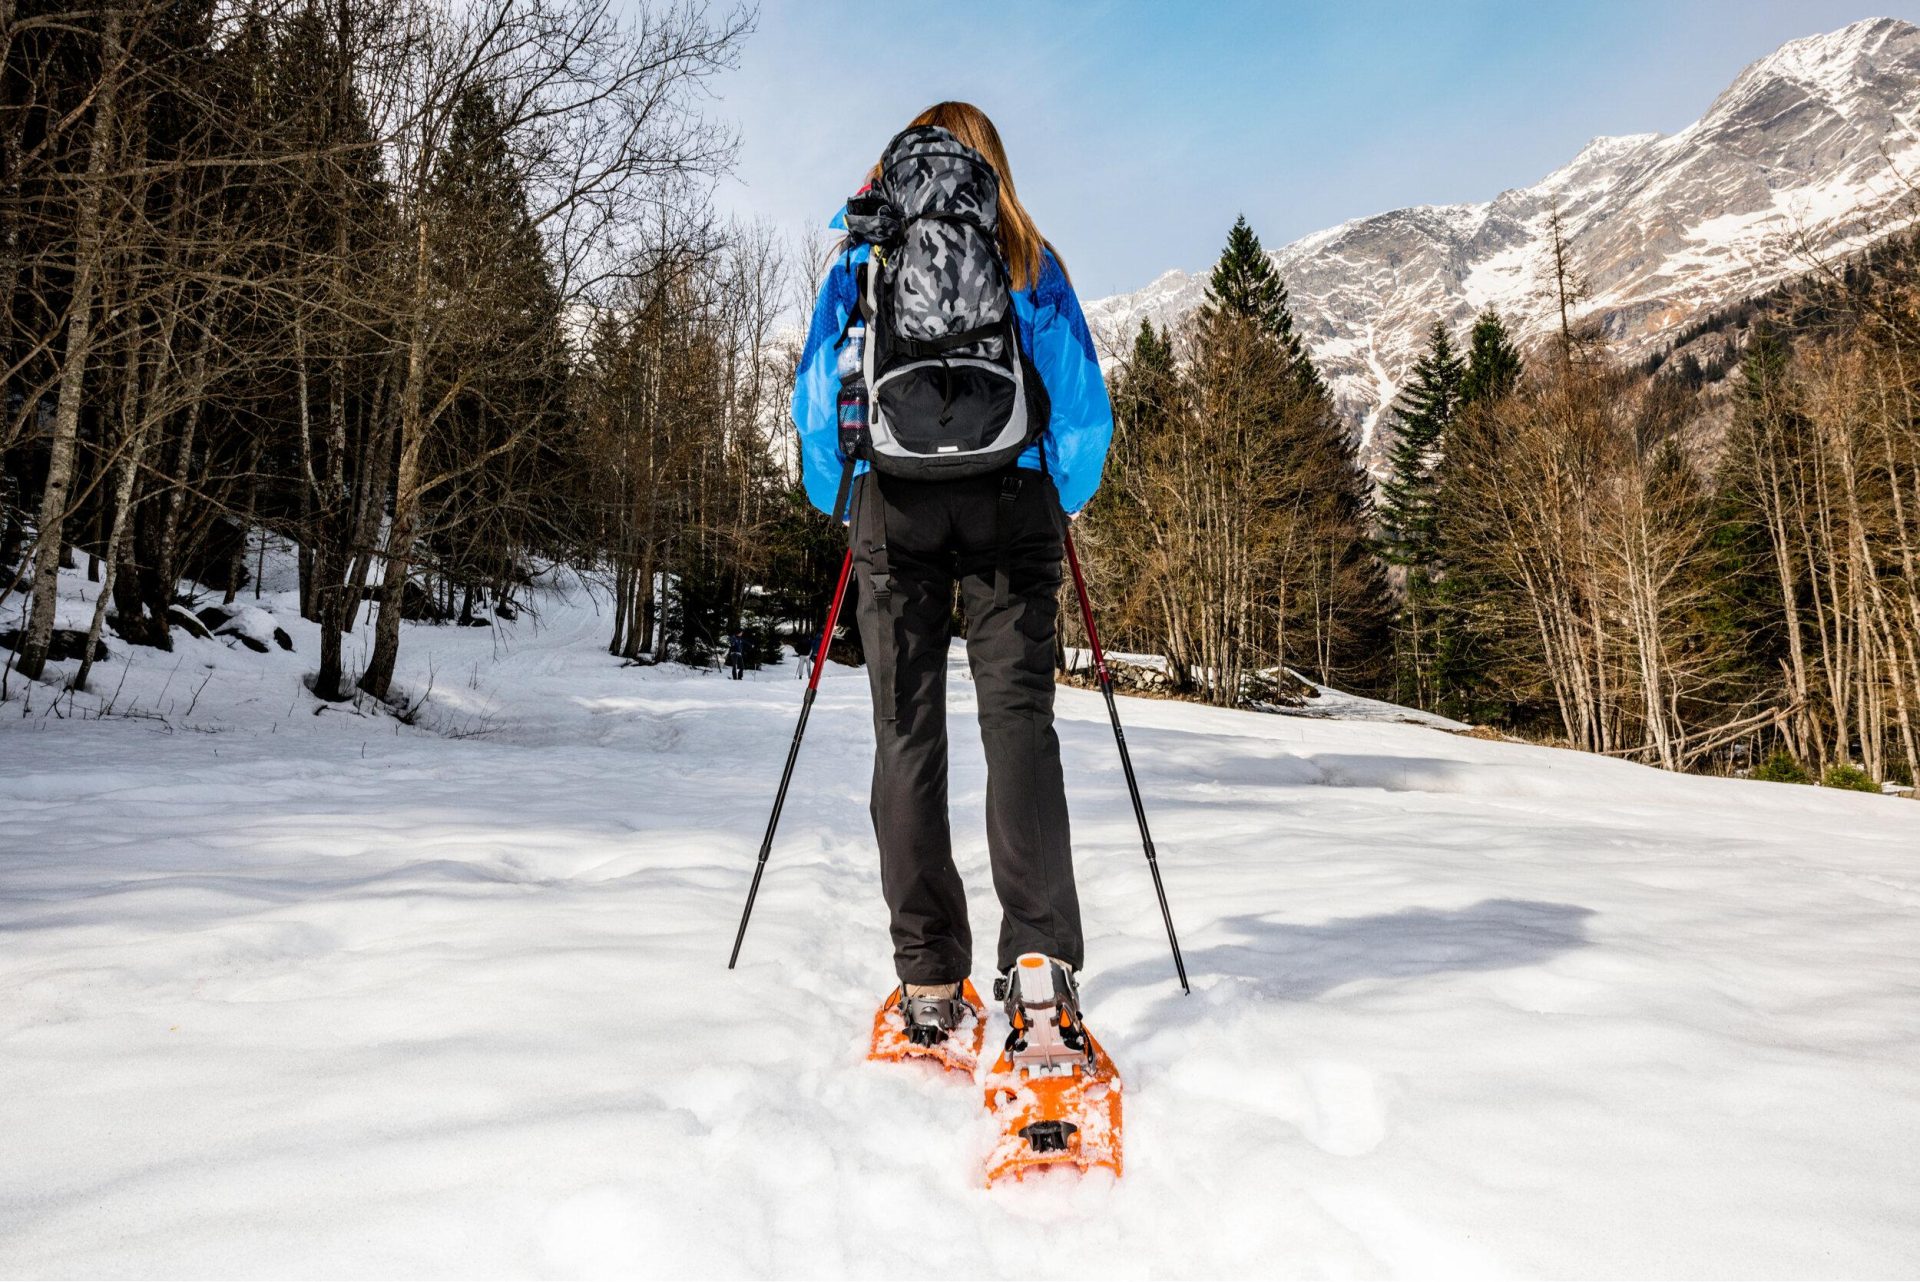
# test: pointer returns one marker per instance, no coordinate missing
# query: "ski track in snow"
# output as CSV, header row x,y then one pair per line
x,y
298,995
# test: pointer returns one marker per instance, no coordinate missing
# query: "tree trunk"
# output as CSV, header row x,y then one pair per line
x,y
239,566
163,573
406,498
116,541
88,253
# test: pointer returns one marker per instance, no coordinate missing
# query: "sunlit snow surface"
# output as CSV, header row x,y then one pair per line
x,y
285,994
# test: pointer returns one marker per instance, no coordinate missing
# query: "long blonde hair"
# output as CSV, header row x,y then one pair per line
x,y
1020,241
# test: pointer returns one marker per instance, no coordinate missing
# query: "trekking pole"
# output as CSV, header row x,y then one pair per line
x,y
1126,759
852,408
793,751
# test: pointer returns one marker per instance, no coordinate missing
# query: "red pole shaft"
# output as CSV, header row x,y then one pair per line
x,y
793,755
833,619
1086,612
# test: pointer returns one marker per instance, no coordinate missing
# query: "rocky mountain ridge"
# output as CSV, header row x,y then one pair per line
x,y
1812,151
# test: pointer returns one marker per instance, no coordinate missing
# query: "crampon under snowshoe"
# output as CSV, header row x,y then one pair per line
x,y
948,1029
1053,1089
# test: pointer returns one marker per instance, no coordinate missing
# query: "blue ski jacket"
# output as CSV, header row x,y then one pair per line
x,y
1053,332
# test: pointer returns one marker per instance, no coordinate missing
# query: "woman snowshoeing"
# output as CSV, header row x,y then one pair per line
x,y
948,319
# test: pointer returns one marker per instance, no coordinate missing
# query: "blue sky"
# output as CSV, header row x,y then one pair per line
x,y
1137,131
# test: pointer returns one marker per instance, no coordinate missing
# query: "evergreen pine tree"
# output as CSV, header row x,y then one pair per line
x,y
1143,394
1118,527
501,341
1333,609
1423,413
1458,680
1149,377
1245,283
1493,363
1746,607
1409,508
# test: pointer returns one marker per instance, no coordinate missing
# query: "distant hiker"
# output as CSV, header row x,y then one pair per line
x,y
803,648
737,655
956,367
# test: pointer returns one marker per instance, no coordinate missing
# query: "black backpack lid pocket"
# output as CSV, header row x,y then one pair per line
x,y
947,407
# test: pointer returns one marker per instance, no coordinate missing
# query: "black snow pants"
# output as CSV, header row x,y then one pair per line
x,y
1001,538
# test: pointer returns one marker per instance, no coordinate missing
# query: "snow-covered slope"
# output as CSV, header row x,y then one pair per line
x,y
288,994
1809,149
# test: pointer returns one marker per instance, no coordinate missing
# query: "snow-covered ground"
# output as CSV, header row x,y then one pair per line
x,y
298,994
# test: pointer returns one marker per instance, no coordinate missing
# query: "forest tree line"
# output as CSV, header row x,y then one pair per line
x,y
1579,562
1566,554
430,290
433,292
1232,533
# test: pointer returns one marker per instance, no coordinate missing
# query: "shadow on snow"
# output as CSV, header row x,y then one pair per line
x,y
1292,961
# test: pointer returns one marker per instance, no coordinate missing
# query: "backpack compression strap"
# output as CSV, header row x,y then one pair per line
x,y
936,346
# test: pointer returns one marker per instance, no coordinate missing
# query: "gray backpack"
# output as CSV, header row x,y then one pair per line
x,y
952,393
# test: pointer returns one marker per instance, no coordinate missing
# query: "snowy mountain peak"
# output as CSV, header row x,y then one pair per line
x,y
1598,164
1802,151
1611,146
1855,72
1608,150
1833,64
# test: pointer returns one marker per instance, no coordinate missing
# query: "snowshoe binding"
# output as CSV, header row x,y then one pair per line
x,y
1053,1089
946,1028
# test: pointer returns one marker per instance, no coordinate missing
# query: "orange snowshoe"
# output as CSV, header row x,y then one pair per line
x,y
895,1037
1053,1089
